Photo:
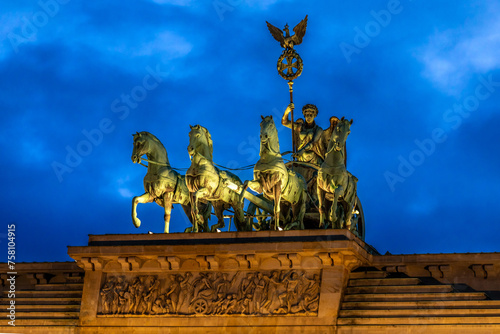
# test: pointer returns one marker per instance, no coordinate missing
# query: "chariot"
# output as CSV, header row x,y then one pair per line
x,y
202,304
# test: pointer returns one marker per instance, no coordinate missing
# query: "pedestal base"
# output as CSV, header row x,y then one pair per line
x,y
217,281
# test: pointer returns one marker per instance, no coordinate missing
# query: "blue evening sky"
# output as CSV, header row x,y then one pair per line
x,y
421,79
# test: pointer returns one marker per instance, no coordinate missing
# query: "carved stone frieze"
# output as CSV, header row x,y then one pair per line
x,y
258,293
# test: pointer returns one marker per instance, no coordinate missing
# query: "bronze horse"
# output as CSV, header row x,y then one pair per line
x,y
275,181
335,183
206,182
162,184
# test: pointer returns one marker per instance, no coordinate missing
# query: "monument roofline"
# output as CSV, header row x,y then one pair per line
x,y
179,243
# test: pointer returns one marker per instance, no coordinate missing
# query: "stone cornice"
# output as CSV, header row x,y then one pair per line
x,y
222,251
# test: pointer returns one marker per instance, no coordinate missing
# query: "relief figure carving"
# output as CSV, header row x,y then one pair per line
x,y
275,293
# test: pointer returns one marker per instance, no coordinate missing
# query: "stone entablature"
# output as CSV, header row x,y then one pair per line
x,y
220,251
273,281
213,280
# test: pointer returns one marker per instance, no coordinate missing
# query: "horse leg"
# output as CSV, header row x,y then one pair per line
x,y
321,204
298,211
167,202
333,210
351,204
144,198
194,211
239,218
236,202
201,193
348,215
206,212
187,211
219,212
277,202
302,210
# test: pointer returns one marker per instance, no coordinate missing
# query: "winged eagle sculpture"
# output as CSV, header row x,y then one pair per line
x,y
287,41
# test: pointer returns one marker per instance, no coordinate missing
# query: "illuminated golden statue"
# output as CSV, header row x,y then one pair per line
x,y
307,135
206,182
335,183
275,181
286,41
163,185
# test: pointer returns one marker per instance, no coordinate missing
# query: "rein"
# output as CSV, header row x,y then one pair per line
x,y
153,162
158,163
333,149
223,167
167,165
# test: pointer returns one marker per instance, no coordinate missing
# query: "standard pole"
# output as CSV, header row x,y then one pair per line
x,y
294,148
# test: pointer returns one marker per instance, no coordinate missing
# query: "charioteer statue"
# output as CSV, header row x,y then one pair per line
x,y
310,138
307,135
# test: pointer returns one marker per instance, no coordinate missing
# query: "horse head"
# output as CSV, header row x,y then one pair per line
x,y
147,144
339,135
140,146
269,135
200,142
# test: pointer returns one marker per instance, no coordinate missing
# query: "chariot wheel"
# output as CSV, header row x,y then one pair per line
x,y
200,306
